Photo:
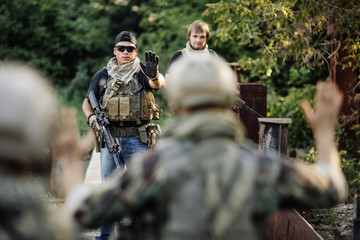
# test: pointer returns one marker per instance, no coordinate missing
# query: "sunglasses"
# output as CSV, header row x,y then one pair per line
x,y
123,48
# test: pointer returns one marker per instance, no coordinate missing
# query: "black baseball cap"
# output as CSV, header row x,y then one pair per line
x,y
126,36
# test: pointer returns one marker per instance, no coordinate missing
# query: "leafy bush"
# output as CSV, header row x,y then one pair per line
x,y
299,134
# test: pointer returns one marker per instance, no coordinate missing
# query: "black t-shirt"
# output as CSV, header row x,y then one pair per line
x,y
174,57
100,79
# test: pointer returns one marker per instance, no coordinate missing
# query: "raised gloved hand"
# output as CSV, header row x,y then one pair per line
x,y
151,67
94,125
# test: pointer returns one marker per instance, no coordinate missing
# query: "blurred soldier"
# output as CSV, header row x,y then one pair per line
x,y
28,107
203,181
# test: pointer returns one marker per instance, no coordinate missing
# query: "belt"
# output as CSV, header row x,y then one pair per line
x,y
127,124
124,131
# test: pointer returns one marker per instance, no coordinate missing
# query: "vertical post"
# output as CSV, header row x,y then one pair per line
x,y
254,95
273,134
347,80
236,68
356,218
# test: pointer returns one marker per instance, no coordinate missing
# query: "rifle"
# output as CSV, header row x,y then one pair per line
x,y
241,104
105,135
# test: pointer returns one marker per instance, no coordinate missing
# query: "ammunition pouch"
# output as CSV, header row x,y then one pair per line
x,y
150,110
123,108
149,133
138,107
129,110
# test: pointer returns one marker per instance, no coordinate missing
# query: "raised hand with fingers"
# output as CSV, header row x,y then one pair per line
x,y
151,67
328,101
70,150
323,120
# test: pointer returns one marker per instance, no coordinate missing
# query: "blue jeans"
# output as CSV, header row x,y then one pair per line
x,y
128,146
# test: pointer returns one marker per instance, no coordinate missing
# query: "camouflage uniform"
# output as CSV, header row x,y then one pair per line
x,y
25,213
202,156
204,180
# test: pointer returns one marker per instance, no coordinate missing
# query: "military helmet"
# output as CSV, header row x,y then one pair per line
x,y
28,107
200,81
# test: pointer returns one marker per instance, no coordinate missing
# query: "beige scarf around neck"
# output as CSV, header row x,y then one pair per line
x,y
123,73
189,51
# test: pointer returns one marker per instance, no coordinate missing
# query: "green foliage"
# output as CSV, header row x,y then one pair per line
x,y
292,76
299,132
296,31
55,36
311,155
298,76
69,41
350,155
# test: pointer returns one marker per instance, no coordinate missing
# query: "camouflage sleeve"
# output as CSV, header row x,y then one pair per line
x,y
283,183
122,193
304,186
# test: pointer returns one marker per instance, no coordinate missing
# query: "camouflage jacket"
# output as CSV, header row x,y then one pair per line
x,y
204,181
25,213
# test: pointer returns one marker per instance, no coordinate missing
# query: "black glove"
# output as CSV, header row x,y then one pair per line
x,y
151,69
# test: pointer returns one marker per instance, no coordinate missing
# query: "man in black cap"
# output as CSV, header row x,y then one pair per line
x,y
124,91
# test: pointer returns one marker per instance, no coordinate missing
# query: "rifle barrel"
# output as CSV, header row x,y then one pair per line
x,y
241,104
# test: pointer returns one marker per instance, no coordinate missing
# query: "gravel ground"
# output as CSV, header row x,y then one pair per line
x,y
332,224
89,234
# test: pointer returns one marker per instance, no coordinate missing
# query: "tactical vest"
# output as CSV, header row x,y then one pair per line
x,y
129,102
